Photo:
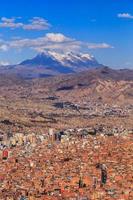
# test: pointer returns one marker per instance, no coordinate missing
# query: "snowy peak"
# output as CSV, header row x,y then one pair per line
x,y
62,63
70,57
67,59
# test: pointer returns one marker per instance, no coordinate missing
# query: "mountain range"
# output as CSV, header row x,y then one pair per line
x,y
51,63
72,76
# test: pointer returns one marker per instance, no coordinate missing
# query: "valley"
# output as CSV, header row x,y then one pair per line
x,y
68,101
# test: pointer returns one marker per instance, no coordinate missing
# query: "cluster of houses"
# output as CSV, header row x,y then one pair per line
x,y
21,139
97,109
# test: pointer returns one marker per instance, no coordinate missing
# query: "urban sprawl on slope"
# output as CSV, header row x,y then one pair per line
x,y
73,164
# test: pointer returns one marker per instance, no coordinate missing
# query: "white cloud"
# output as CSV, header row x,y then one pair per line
x,y
4,47
99,46
4,63
36,23
58,37
125,15
51,41
10,23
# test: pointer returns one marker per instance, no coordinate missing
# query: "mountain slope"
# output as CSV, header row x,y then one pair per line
x,y
97,85
50,64
53,60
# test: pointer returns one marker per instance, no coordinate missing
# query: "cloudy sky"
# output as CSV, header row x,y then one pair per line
x,y
103,28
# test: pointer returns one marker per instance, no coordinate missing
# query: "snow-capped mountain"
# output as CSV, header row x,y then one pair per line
x,y
52,63
69,62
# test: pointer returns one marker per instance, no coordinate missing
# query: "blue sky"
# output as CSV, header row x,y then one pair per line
x,y
103,28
